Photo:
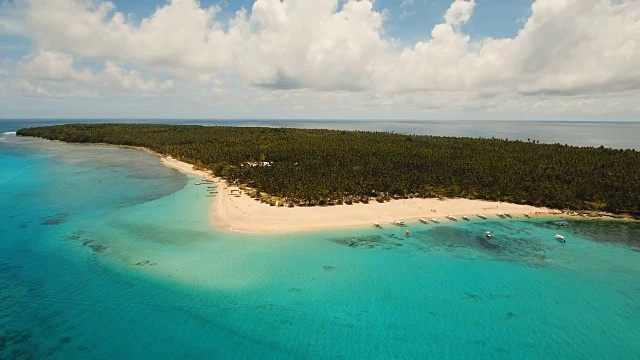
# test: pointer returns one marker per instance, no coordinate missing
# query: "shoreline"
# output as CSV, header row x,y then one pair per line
x,y
181,166
235,211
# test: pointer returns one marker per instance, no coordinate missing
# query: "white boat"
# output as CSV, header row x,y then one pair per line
x,y
465,218
424,221
560,237
488,234
377,225
452,218
399,223
435,221
481,216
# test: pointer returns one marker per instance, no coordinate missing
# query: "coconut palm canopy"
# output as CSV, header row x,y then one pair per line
x,y
316,166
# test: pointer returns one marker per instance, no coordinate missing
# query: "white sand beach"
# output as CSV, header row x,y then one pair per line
x,y
241,213
181,166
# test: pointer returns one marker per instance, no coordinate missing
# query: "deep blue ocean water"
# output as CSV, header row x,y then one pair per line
x,y
612,134
105,253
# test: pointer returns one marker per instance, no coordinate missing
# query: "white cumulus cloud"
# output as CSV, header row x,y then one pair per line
x,y
569,55
47,66
459,12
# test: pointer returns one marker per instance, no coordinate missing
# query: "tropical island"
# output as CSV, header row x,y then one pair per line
x,y
317,167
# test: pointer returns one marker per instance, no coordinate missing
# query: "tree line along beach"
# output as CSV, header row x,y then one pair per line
x,y
313,169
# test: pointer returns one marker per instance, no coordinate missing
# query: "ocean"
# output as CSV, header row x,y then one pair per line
x,y
611,134
106,253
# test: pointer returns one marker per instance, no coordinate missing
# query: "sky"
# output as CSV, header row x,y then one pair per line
x,y
321,59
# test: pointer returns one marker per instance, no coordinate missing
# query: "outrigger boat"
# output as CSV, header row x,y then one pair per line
x,y
399,223
424,221
465,218
377,225
507,215
488,234
500,215
481,216
435,221
352,242
452,218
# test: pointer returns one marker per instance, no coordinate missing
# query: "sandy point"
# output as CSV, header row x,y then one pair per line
x,y
235,211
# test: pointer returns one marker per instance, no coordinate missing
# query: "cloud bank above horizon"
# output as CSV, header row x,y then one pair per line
x,y
321,58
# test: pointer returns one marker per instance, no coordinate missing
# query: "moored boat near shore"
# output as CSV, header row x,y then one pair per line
x,y
242,214
295,273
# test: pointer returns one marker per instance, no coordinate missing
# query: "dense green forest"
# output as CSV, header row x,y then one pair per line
x,y
314,166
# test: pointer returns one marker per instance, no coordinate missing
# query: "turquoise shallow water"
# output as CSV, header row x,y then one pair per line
x,y
108,254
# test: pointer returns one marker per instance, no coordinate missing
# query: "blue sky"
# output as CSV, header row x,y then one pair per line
x,y
387,59
494,18
409,23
